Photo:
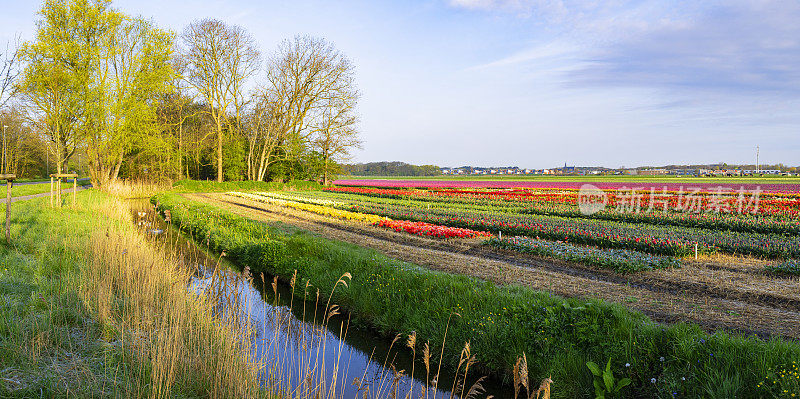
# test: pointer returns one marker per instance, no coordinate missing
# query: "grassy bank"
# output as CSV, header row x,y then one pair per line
x,y
203,186
501,322
90,309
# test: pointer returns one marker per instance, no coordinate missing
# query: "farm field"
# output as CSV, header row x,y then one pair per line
x,y
715,292
766,179
743,281
776,184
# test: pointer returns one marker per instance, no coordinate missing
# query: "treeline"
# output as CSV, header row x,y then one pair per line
x,y
391,169
115,96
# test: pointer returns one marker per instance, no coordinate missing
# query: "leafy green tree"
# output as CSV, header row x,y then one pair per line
x,y
57,71
132,72
91,79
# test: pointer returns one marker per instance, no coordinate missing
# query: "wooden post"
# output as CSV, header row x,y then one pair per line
x,y
9,184
56,188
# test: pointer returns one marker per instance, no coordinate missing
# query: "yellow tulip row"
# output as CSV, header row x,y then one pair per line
x,y
318,209
281,196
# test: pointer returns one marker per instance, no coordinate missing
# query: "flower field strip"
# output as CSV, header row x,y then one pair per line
x,y
547,206
782,208
620,260
296,198
665,240
398,297
657,239
430,230
318,209
786,188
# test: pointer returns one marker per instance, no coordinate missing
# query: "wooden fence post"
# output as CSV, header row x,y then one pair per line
x,y
51,191
74,191
9,184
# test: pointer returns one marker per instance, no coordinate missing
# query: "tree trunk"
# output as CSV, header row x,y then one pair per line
x,y
180,148
325,172
219,152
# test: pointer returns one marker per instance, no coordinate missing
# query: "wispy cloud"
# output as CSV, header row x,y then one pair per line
x,y
736,46
740,47
552,54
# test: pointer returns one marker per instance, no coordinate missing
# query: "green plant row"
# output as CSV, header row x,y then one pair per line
x,y
501,322
789,267
620,260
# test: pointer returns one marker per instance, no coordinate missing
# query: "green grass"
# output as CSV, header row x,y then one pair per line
x,y
204,186
31,189
501,322
50,343
55,343
766,179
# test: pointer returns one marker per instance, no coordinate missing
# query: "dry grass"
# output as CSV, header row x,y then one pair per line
x,y
136,189
170,336
205,339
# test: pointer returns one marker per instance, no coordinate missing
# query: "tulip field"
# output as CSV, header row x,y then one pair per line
x,y
722,261
671,225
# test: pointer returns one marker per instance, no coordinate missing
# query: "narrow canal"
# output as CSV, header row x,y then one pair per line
x,y
301,347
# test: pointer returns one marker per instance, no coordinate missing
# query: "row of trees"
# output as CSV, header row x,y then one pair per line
x,y
391,169
117,96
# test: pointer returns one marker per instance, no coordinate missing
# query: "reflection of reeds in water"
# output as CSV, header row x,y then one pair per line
x,y
285,355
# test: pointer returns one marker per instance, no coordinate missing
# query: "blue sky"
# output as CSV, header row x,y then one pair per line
x,y
537,83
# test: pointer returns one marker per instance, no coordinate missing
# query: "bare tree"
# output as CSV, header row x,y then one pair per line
x,y
9,71
219,59
24,148
306,76
177,106
263,128
336,133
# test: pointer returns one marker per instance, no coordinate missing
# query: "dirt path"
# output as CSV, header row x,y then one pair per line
x,y
32,196
733,295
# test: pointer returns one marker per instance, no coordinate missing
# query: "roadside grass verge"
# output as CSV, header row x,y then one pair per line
x,y
501,322
31,189
88,308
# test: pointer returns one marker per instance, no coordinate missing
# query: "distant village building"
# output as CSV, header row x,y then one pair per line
x,y
654,172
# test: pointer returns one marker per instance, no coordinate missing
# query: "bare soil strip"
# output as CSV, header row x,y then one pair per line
x,y
733,296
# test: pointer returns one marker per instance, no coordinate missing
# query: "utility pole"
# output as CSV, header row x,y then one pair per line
x,y
758,169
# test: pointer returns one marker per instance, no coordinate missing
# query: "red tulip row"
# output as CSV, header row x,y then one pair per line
x,y
430,230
